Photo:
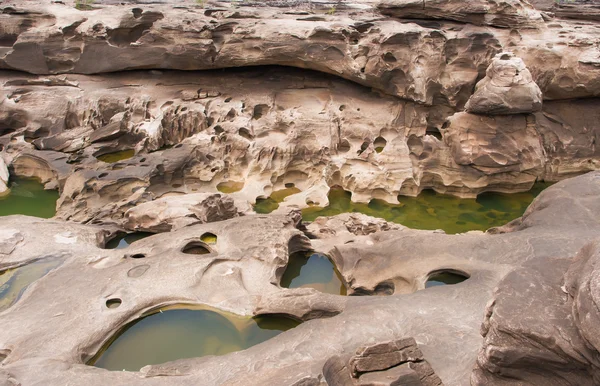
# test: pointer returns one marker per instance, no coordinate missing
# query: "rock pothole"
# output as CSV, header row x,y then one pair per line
x,y
445,277
168,335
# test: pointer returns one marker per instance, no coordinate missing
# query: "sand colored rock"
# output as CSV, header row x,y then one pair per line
x,y
507,88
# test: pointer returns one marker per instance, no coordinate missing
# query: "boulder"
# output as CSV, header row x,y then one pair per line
x,y
508,88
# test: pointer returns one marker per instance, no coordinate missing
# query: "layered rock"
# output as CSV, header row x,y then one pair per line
x,y
504,14
506,89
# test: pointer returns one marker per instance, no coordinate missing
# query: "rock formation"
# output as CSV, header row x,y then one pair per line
x,y
174,117
506,89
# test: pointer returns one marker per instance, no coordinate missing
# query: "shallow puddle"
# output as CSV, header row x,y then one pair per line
x,y
312,270
27,196
125,241
431,210
14,282
116,156
267,205
183,333
230,186
444,278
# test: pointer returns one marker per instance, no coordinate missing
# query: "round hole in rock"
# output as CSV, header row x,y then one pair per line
x,y
195,248
445,277
290,185
312,270
209,238
138,256
343,146
379,144
167,335
113,303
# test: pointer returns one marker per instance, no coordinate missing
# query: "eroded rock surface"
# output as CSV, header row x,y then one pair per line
x,y
507,88
241,273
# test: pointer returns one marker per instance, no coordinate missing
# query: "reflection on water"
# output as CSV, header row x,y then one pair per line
x,y
431,210
183,333
125,241
14,282
444,278
267,205
312,270
27,196
116,156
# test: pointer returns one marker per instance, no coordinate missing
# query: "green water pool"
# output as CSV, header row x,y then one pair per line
x,y
269,204
185,333
27,196
116,156
431,210
312,270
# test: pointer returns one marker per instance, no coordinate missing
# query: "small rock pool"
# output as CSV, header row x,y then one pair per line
x,y
185,333
27,196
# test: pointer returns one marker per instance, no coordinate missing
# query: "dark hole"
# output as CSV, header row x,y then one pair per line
x,y
195,248
289,185
102,175
445,277
113,303
138,256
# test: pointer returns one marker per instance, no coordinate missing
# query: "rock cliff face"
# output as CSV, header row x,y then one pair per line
x,y
274,126
174,117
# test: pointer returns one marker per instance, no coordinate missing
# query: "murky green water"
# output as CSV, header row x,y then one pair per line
x,y
183,333
230,186
431,210
444,278
116,156
27,196
125,241
14,282
312,270
267,205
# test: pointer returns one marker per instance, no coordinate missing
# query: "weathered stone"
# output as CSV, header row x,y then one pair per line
x,y
401,375
174,212
384,355
505,14
507,88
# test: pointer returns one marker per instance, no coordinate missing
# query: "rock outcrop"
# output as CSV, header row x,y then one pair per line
x,y
48,338
507,88
173,212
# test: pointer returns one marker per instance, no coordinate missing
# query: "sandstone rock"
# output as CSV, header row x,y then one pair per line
x,y
376,53
174,212
507,88
3,177
512,14
49,337
495,144
382,356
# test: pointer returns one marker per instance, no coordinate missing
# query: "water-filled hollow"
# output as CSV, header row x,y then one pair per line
x,y
173,334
